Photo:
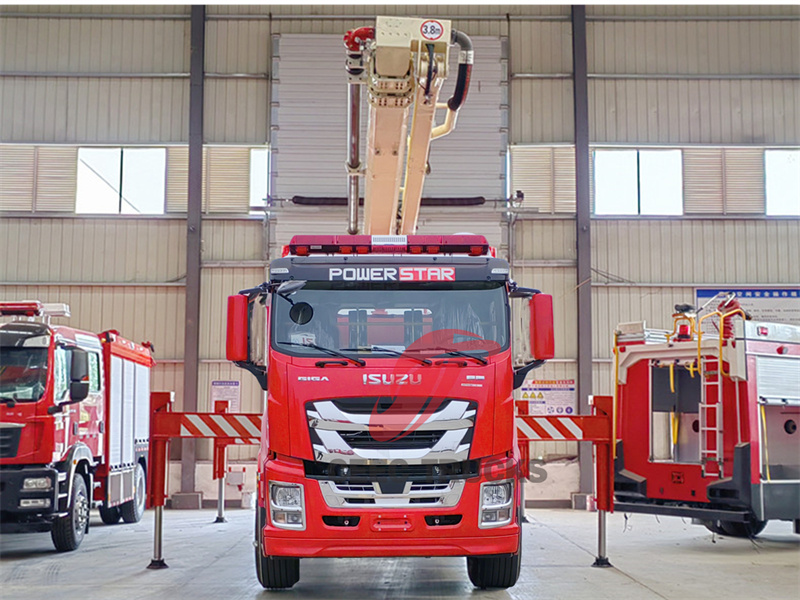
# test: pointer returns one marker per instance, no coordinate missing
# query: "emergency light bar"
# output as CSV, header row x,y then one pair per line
x,y
303,245
33,308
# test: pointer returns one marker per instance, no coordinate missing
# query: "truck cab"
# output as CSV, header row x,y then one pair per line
x,y
389,426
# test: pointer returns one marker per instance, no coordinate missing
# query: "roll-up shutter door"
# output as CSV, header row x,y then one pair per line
x,y
17,177
310,123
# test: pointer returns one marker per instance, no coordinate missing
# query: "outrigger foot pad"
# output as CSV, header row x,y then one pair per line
x,y
602,562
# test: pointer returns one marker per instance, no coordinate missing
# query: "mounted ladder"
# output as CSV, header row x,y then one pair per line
x,y
711,417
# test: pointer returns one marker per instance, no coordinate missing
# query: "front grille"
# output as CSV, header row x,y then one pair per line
x,y
412,441
380,404
9,440
365,430
426,473
392,494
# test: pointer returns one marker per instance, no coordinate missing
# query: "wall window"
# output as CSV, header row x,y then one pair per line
x,y
127,181
782,174
638,182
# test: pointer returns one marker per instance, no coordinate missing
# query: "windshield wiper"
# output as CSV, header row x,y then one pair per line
x,y
449,352
424,361
360,362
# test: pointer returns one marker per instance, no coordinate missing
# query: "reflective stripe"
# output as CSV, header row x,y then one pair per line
x,y
551,429
249,425
527,431
221,421
197,421
573,427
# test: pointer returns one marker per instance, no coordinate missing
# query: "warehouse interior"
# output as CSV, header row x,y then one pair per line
x,y
155,159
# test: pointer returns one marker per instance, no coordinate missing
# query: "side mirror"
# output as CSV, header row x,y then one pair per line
x,y
247,334
542,335
79,375
79,369
237,342
78,390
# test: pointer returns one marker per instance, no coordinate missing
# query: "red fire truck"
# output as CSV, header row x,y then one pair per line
x,y
74,424
708,418
389,428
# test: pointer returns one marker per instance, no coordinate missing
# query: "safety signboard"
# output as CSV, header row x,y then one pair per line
x,y
771,305
550,397
229,391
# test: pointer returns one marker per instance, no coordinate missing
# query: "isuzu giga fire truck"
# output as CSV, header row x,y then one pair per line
x,y
386,357
74,424
708,418
389,428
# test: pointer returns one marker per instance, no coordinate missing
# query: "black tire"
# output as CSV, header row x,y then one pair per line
x,y
500,571
133,510
746,529
110,515
67,532
273,572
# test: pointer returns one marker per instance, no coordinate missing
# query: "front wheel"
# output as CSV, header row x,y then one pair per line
x,y
274,572
501,571
133,510
68,531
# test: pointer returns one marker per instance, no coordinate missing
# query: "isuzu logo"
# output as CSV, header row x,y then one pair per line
x,y
392,379
392,274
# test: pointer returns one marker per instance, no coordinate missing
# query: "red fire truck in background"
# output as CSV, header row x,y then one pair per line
x,y
74,424
708,419
389,428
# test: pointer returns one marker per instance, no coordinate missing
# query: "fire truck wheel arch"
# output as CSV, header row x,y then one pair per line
x,y
78,459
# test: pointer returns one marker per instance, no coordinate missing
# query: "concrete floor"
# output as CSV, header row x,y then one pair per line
x,y
666,558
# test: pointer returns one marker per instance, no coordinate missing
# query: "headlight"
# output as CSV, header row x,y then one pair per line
x,y
497,504
287,496
496,494
37,483
287,508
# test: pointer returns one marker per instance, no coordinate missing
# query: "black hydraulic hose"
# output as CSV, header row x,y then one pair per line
x,y
429,80
465,59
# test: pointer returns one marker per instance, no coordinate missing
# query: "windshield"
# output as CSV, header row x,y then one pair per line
x,y
23,362
384,319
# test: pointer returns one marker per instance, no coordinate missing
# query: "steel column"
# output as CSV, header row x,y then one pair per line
x,y
193,239
583,230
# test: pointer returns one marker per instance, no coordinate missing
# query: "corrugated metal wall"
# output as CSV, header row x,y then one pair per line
x,y
682,75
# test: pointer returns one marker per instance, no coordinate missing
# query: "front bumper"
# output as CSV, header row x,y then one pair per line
x,y
375,531
17,504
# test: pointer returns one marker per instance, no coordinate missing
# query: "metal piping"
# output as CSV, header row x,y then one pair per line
x,y
353,162
354,65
